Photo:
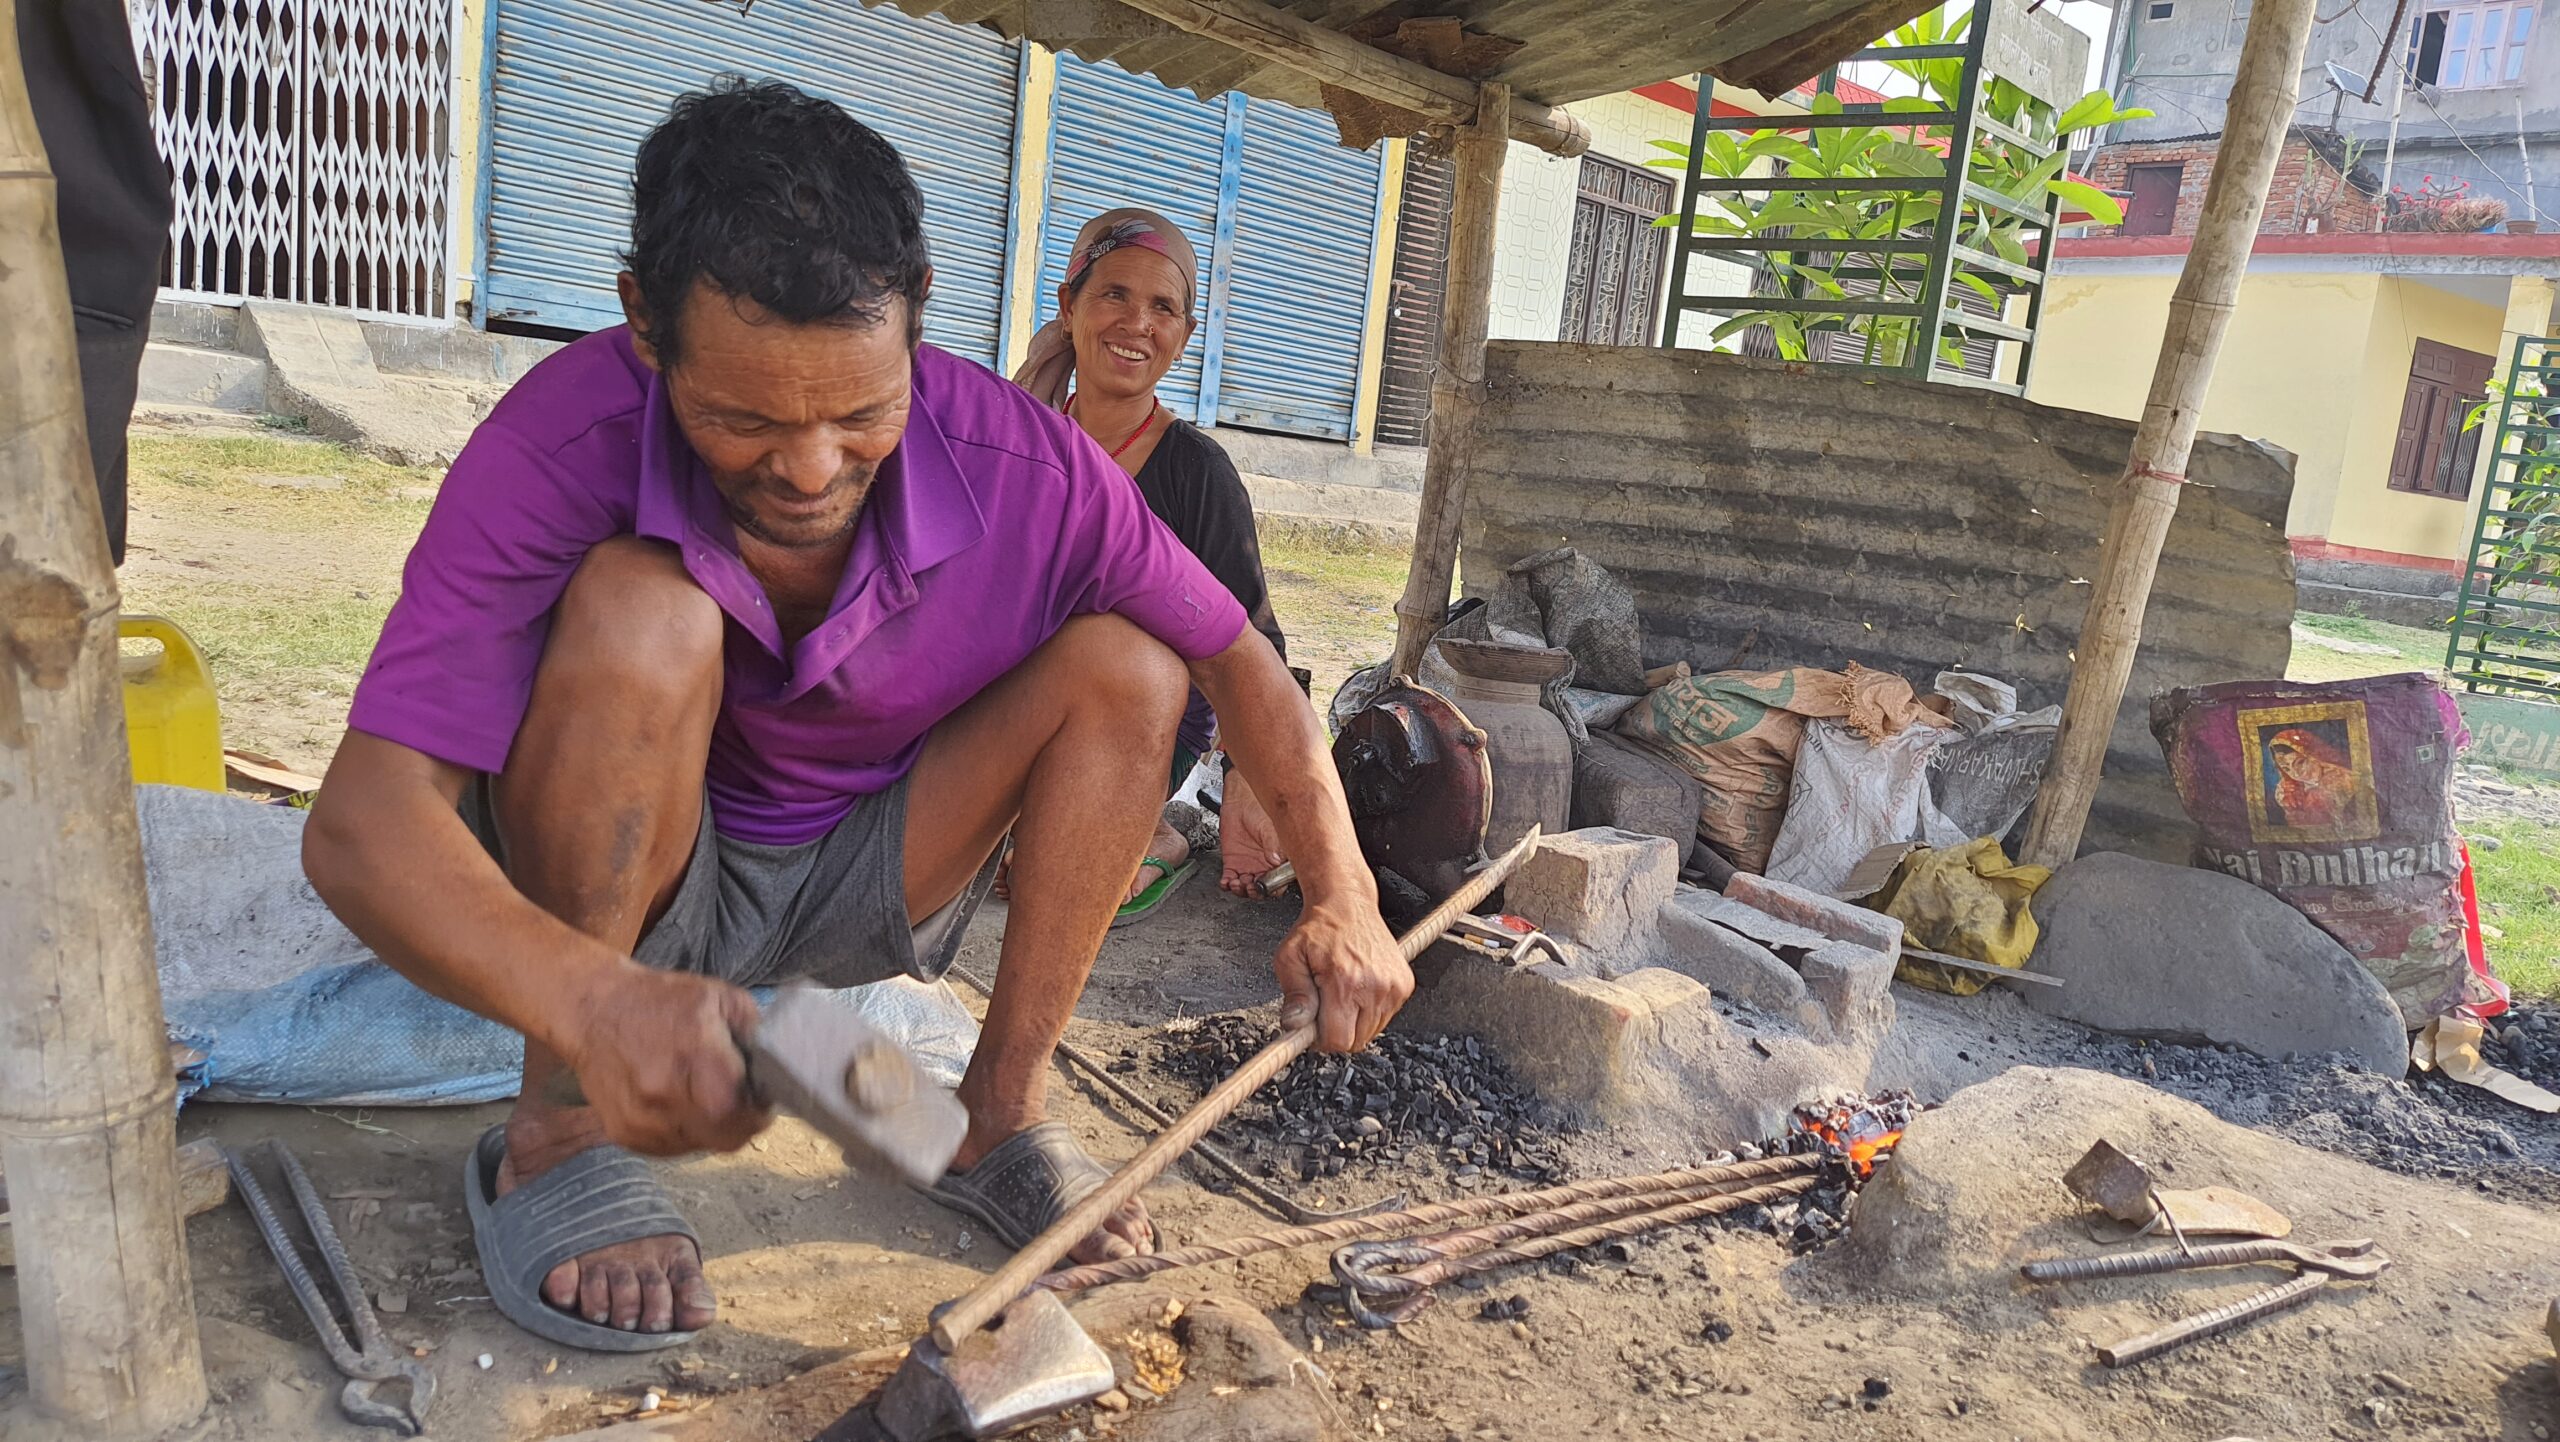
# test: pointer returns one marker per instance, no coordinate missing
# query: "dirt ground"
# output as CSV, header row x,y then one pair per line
x,y
1864,1340
815,1265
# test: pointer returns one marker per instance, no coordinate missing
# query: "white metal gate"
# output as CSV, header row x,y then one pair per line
x,y
309,143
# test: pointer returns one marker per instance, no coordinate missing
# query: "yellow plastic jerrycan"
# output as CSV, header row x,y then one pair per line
x,y
171,720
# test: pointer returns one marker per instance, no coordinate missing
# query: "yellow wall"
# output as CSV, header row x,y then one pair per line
x,y
1373,327
470,38
2287,372
2369,513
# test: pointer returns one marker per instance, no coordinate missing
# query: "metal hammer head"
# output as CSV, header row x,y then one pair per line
x,y
822,1061
1031,1362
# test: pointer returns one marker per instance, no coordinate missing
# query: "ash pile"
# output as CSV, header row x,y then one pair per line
x,y
1428,1105
2420,1126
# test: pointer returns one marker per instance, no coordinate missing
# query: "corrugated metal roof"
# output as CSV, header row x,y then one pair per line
x,y
1569,49
1771,515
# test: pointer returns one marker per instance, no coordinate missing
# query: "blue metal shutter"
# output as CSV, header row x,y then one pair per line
x,y
1123,139
578,83
1305,230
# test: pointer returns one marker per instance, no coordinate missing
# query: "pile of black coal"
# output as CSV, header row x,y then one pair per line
x,y
1430,1104
2424,1125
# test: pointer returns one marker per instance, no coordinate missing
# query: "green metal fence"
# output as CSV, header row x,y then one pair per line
x,y
1905,272
2506,623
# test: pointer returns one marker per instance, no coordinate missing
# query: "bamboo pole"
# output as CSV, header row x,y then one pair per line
x,y
2261,108
88,1110
1457,381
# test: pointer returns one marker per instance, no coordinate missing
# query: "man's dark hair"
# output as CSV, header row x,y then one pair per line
x,y
770,193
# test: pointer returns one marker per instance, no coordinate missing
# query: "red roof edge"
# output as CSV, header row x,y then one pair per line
x,y
2491,245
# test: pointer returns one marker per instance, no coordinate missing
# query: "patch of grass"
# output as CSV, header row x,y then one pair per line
x,y
2520,895
1335,594
2406,648
280,557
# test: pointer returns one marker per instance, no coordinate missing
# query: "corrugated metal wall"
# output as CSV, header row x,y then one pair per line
x,y
1122,139
1306,224
1284,220
1770,514
578,83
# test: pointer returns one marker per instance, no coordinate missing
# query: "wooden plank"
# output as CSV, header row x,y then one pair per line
x,y
1457,388
1269,33
204,1183
2262,102
88,1110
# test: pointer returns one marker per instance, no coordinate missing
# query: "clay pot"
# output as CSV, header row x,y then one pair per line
x,y
1532,757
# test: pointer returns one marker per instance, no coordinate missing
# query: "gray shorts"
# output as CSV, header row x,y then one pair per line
x,y
833,910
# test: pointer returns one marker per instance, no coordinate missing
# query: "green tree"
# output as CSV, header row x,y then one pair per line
x,y
1913,148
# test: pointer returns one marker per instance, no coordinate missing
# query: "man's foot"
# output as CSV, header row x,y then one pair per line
x,y
1020,1183
1165,856
654,1284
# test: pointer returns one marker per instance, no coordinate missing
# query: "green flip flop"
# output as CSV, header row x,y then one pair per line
x,y
1169,878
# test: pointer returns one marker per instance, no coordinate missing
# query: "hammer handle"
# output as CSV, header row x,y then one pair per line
x,y
1027,1266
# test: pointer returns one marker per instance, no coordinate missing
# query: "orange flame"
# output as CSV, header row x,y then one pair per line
x,y
1857,1133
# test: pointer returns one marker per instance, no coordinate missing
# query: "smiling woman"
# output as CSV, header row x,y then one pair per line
x,y
1127,309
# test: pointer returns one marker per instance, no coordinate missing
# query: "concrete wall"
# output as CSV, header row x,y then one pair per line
x,y
2314,362
1533,239
1768,514
2370,516
2286,371
2181,68
470,62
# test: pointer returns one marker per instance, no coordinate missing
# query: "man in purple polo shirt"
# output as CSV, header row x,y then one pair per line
x,y
738,637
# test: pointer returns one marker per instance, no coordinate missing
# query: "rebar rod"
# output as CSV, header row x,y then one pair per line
x,y
1412,1290
1388,1224
2220,1319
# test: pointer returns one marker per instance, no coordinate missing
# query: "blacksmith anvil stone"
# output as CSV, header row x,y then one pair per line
x,y
1032,1361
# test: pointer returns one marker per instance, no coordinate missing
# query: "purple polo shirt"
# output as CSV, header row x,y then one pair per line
x,y
994,521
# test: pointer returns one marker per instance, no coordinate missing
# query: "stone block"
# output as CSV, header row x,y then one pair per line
x,y
185,375
1618,784
1598,888
1732,965
1853,987
1578,1041
2184,954
1838,920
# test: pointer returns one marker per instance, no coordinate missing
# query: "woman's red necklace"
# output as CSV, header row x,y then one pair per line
x,y
1121,449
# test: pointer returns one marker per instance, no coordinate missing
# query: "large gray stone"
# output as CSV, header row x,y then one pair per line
x,y
2184,954
1616,784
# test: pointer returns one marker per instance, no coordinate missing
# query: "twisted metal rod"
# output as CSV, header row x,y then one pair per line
x,y
1559,1219
1362,1285
1388,1224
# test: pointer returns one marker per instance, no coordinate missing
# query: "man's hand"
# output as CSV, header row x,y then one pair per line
x,y
1340,963
1247,845
658,1056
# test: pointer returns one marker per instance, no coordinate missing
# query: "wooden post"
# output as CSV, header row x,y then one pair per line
x,y
2261,106
1457,382
88,1110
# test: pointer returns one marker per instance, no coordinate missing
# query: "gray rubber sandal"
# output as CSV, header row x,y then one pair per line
x,y
599,1197
1028,1181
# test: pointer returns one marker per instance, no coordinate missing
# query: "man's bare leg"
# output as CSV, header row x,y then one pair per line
x,y
599,807
1069,749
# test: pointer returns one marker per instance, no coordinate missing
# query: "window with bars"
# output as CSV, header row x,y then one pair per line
x,y
2470,46
1613,275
